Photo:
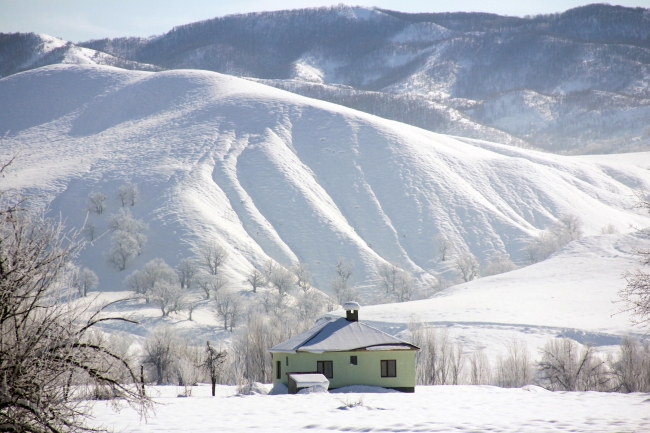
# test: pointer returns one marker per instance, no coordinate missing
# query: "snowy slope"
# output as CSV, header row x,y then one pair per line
x,y
272,174
572,294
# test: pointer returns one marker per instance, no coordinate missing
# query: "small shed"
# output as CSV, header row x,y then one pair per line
x,y
298,381
347,352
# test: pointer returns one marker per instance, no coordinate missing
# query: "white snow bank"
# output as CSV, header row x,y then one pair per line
x,y
460,409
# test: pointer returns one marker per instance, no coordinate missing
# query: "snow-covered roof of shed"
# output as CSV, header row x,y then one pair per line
x,y
339,335
309,379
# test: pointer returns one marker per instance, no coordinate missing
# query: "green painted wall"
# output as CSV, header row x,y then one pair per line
x,y
366,372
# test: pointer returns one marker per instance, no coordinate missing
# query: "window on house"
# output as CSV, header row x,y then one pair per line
x,y
389,368
278,370
353,360
326,368
287,360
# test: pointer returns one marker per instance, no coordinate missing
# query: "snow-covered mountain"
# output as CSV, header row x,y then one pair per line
x,y
272,174
24,51
573,82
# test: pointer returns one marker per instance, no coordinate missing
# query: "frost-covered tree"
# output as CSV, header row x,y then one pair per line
x,y
124,221
396,282
569,366
128,194
229,308
568,228
96,201
444,246
213,256
89,230
161,349
169,296
212,365
516,368
124,248
282,280
84,280
186,271
467,266
157,270
255,279
340,284
210,284
48,347
303,276
498,264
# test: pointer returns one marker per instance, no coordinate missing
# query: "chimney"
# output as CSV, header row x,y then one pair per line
x,y
351,311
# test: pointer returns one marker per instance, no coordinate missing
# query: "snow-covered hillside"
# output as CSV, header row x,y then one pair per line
x,y
573,294
272,174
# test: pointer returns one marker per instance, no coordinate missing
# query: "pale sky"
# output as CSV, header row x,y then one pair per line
x,y
80,20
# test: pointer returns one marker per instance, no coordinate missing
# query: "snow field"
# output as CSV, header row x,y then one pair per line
x,y
429,409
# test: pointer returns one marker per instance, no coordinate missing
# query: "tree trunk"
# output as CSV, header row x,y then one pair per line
x,y
214,385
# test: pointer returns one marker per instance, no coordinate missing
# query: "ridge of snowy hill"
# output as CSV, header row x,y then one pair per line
x,y
270,174
24,51
571,82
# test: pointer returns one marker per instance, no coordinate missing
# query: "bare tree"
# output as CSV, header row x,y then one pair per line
x,y
631,368
213,256
479,367
568,366
84,280
255,279
303,277
636,294
96,202
499,264
444,246
128,194
47,346
212,364
186,271
568,228
467,266
160,348
228,308
515,369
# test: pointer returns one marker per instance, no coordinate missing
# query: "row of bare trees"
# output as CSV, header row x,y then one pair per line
x,y
564,365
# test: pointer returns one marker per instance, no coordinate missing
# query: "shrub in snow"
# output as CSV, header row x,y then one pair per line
x,y
566,229
499,264
278,389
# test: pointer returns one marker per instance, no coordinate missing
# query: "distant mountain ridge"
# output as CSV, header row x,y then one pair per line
x,y
576,82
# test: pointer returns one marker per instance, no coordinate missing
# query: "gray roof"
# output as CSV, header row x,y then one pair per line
x,y
339,335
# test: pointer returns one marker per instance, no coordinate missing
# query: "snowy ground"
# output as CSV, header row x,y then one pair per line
x,y
430,409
